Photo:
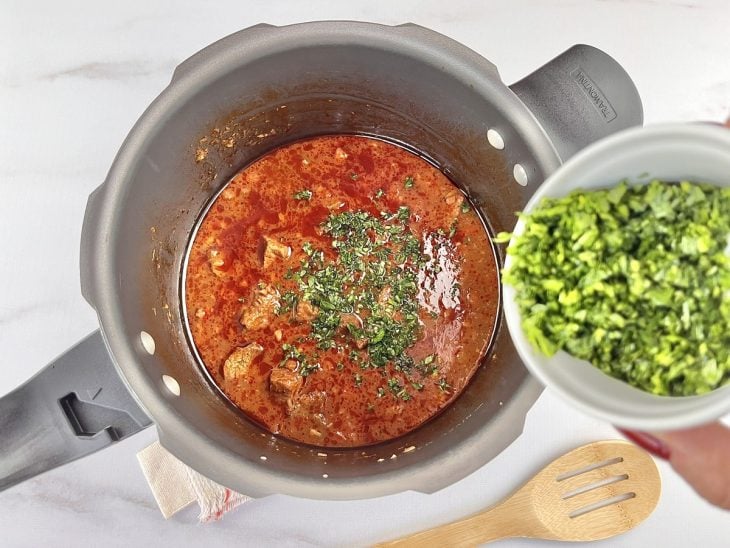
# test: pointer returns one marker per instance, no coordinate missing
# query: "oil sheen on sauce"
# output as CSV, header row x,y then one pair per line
x,y
341,291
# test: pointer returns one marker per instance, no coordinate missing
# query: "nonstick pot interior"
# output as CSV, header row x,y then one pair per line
x,y
227,106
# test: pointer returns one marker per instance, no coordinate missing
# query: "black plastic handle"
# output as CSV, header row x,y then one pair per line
x,y
579,97
75,406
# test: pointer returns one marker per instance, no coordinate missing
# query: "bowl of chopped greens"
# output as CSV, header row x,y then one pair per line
x,y
617,278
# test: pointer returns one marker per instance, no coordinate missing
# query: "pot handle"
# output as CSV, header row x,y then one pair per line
x,y
75,406
219,48
579,97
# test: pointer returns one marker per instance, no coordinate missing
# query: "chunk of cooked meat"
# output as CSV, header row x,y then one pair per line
x,y
305,311
355,321
454,200
454,197
309,405
261,308
284,381
350,319
384,300
217,262
238,362
384,295
274,250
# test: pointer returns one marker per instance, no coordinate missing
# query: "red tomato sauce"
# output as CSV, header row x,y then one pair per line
x,y
257,320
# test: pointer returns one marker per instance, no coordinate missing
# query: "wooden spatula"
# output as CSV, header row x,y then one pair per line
x,y
593,492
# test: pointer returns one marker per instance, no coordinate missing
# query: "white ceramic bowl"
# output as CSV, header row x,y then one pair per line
x,y
671,152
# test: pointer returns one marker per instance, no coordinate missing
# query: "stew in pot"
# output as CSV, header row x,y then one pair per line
x,y
341,291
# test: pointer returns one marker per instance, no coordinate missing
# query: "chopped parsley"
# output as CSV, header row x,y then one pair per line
x,y
288,302
404,213
305,366
633,279
408,183
365,296
305,194
428,366
292,352
398,390
452,229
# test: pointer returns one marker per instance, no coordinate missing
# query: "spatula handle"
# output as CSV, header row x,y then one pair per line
x,y
501,521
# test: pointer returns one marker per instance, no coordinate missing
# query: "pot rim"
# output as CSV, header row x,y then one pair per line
x,y
189,443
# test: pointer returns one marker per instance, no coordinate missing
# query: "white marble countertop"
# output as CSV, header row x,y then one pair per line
x,y
74,77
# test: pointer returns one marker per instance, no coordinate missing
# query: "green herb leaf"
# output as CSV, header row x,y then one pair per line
x,y
452,230
374,276
502,237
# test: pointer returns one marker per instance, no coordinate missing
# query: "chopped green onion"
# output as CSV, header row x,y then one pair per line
x,y
633,279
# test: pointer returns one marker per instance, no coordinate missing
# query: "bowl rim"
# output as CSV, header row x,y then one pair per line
x,y
707,407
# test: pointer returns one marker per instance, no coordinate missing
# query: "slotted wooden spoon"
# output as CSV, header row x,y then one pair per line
x,y
593,492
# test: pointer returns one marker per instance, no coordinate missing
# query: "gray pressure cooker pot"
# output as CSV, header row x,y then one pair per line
x,y
226,105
